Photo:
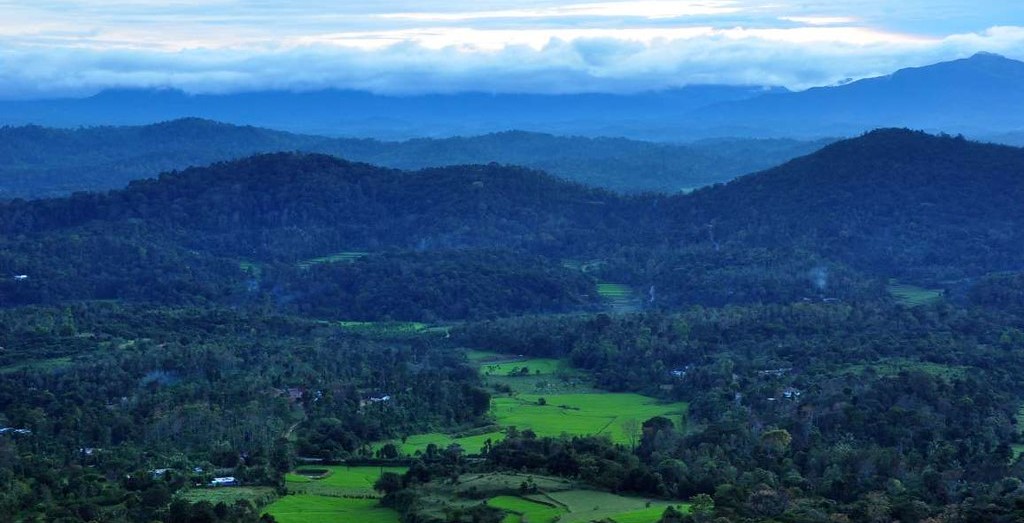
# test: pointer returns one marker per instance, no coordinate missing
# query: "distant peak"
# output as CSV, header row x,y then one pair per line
x,y
985,55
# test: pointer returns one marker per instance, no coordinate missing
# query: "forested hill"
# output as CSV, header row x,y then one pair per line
x,y
892,201
290,206
46,162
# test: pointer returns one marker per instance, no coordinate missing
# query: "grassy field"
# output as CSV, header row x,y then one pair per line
x,y
258,496
306,508
525,510
532,366
582,413
912,296
581,506
575,414
558,500
470,444
646,515
542,376
338,480
340,257
893,366
590,505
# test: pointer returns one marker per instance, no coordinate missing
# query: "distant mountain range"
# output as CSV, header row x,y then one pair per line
x,y
353,113
39,162
981,96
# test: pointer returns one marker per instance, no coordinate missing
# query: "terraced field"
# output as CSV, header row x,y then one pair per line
x,y
621,298
913,296
307,508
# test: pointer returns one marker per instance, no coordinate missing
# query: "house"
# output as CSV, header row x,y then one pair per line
x,y
158,472
791,393
20,277
226,481
681,371
294,394
12,430
781,371
375,399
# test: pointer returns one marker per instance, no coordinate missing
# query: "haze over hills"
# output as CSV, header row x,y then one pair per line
x,y
36,161
979,96
361,114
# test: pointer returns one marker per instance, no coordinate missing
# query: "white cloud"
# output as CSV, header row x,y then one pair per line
x,y
399,46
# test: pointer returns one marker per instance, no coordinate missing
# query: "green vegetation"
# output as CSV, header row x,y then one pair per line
x,y
384,329
526,510
339,480
912,296
258,496
340,257
614,291
524,367
50,162
306,508
893,366
38,365
582,506
620,297
581,414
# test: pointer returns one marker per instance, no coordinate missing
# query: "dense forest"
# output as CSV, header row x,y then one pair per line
x,y
845,332
46,162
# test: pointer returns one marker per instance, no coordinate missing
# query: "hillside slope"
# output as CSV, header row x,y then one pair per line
x,y
892,201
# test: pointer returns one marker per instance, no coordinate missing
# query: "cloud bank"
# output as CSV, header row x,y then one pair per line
x,y
56,48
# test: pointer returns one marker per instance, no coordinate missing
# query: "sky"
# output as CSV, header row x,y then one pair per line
x,y
75,47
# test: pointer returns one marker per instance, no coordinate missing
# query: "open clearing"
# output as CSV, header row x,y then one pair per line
x,y
573,414
620,298
340,257
337,480
494,364
590,505
525,510
912,296
581,506
587,412
307,508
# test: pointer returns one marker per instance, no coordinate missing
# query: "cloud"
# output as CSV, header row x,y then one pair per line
x,y
56,47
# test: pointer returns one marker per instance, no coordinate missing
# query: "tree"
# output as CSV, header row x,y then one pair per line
x,y
632,429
